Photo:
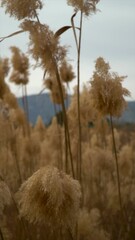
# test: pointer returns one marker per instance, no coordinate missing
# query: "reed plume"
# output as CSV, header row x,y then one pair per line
x,y
108,98
21,9
50,197
20,65
4,68
66,72
107,93
85,6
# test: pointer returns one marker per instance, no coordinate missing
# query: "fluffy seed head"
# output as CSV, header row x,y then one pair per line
x,y
20,65
44,46
21,9
50,196
4,69
66,72
4,63
107,93
52,84
86,6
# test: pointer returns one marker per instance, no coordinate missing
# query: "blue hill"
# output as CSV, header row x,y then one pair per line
x,y
43,106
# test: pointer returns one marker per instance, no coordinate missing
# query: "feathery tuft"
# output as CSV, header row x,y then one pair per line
x,y
50,196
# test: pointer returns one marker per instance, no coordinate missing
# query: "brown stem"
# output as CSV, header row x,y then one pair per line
x,y
123,216
26,109
67,136
36,15
1,235
14,150
26,102
78,103
64,117
74,30
78,46
60,165
117,166
23,99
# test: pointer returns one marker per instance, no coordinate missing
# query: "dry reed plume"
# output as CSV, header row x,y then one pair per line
x,y
107,93
22,9
87,7
50,197
34,166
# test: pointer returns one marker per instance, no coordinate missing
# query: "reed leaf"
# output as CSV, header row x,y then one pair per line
x,y
11,35
62,30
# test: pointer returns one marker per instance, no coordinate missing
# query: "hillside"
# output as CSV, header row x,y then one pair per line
x,y
43,106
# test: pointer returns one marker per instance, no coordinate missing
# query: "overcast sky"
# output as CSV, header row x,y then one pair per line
x,y
109,34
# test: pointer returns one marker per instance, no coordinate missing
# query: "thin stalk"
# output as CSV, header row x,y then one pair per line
x,y
36,15
78,102
1,235
60,165
16,157
26,109
64,118
118,175
67,136
66,159
123,213
23,99
117,166
74,31
68,92
26,102
66,151
78,46
61,152
66,144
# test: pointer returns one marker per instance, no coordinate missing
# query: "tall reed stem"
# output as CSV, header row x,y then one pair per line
x,y
78,102
67,135
117,167
60,163
1,235
64,117
123,214
26,109
78,46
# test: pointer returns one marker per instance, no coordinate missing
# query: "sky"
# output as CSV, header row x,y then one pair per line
x,y
110,33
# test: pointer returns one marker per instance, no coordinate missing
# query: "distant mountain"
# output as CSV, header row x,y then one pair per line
x,y
42,105
129,115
